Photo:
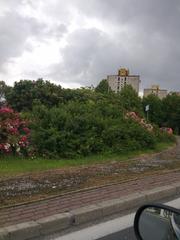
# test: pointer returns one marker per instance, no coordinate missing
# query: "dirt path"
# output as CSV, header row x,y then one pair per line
x,y
50,183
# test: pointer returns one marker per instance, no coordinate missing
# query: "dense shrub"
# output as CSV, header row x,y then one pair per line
x,y
84,128
14,133
25,92
127,136
79,122
164,136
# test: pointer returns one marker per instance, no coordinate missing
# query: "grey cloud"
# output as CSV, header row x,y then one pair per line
x,y
81,50
78,55
88,57
16,29
150,47
156,14
58,10
8,5
14,33
57,31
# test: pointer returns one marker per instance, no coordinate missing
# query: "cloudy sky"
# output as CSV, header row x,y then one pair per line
x,y
77,42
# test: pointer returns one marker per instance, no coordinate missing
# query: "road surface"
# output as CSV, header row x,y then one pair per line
x,y
119,228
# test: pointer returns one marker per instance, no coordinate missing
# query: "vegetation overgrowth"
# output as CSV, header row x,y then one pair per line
x,y
66,123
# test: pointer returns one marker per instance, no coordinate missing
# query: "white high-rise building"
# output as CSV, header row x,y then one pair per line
x,y
117,82
155,89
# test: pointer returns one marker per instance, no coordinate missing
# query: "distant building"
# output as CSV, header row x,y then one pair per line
x,y
161,93
177,93
117,82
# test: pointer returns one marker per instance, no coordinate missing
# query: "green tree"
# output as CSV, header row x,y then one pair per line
x,y
80,94
155,113
26,92
103,86
171,109
3,91
130,99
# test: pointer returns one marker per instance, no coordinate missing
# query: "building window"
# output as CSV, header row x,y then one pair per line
x,y
125,81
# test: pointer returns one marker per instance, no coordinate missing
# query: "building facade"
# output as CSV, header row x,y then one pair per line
x,y
177,93
161,93
123,78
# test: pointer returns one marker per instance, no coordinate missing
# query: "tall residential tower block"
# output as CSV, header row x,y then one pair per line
x,y
155,89
123,78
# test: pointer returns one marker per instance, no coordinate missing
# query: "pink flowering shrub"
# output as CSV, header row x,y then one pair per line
x,y
14,133
134,116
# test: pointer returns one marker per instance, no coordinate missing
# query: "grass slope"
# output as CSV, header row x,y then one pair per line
x,y
12,166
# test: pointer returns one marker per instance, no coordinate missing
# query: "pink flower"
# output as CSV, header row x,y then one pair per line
x,y
5,147
13,130
6,110
26,130
11,126
23,139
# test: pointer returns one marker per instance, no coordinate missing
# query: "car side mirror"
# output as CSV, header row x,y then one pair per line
x,y
157,222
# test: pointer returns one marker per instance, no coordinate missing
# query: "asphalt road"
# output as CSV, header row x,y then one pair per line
x,y
155,227
116,229
126,234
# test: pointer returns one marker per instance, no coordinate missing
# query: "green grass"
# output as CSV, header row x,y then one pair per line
x,y
11,166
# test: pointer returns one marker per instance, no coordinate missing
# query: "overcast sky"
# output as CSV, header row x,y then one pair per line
x,y
77,42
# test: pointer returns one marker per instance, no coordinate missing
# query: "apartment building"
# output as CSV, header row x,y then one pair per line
x,y
123,78
155,89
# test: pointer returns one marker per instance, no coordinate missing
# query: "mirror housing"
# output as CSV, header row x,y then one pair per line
x,y
157,221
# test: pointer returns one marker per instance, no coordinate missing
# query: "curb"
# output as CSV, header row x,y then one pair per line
x,y
59,222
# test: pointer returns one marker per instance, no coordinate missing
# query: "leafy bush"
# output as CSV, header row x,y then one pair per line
x,y
14,133
25,92
68,123
164,136
84,128
127,136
